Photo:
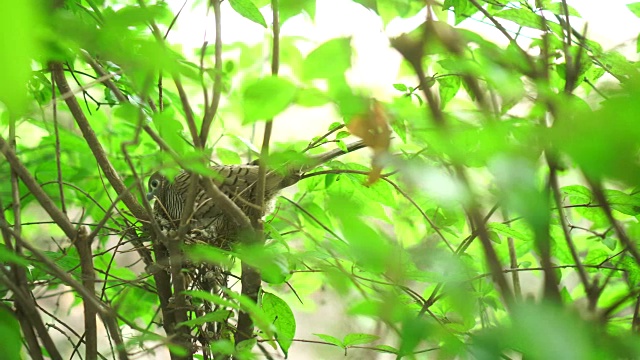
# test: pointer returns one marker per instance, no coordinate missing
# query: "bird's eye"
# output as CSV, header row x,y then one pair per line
x,y
154,184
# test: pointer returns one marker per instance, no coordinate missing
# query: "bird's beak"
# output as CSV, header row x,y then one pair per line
x,y
150,196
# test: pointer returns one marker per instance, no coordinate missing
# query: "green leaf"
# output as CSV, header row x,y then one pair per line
x,y
387,349
367,246
266,98
257,314
390,10
400,87
578,194
329,60
212,298
331,340
282,318
223,347
334,125
228,157
359,339
342,145
596,257
634,8
602,156
558,9
248,9
510,231
69,262
462,9
448,88
19,47
632,271
369,4
623,202
214,316
170,130
342,134
290,8
412,332
243,349
524,17
134,303
7,256
10,336
311,97
270,260
546,331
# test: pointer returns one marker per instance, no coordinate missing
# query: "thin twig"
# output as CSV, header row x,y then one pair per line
x,y
83,246
211,111
105,312
45,201
32,315
251,279
630,245
582,274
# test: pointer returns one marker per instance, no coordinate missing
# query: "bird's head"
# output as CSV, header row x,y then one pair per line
x,y
156,186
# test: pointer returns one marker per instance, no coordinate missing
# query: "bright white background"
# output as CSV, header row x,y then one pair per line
x,y
375,64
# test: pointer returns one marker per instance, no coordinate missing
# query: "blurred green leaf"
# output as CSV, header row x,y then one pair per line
x,y
525,17
10,336
545,331
290,8
632,271
209,254
367,246
224,346
228,157
258,316
329,60
266,98
311,97
9,257
271,261
134,303
213,298
634,8
214,316
18,50
462,9
412,332
582,134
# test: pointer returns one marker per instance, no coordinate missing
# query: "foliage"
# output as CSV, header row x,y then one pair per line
x,y
501,220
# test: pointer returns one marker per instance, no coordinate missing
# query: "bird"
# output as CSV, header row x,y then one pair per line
x,y
209,224
238,182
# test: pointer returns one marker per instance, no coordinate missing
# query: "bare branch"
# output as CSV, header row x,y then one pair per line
x,y
45,201
251,278
96,148
211,111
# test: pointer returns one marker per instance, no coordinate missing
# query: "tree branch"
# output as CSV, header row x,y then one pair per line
x,y
210,113
96,148
45,201
251,278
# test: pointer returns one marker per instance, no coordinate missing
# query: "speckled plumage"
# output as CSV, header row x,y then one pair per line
x,y
236,181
